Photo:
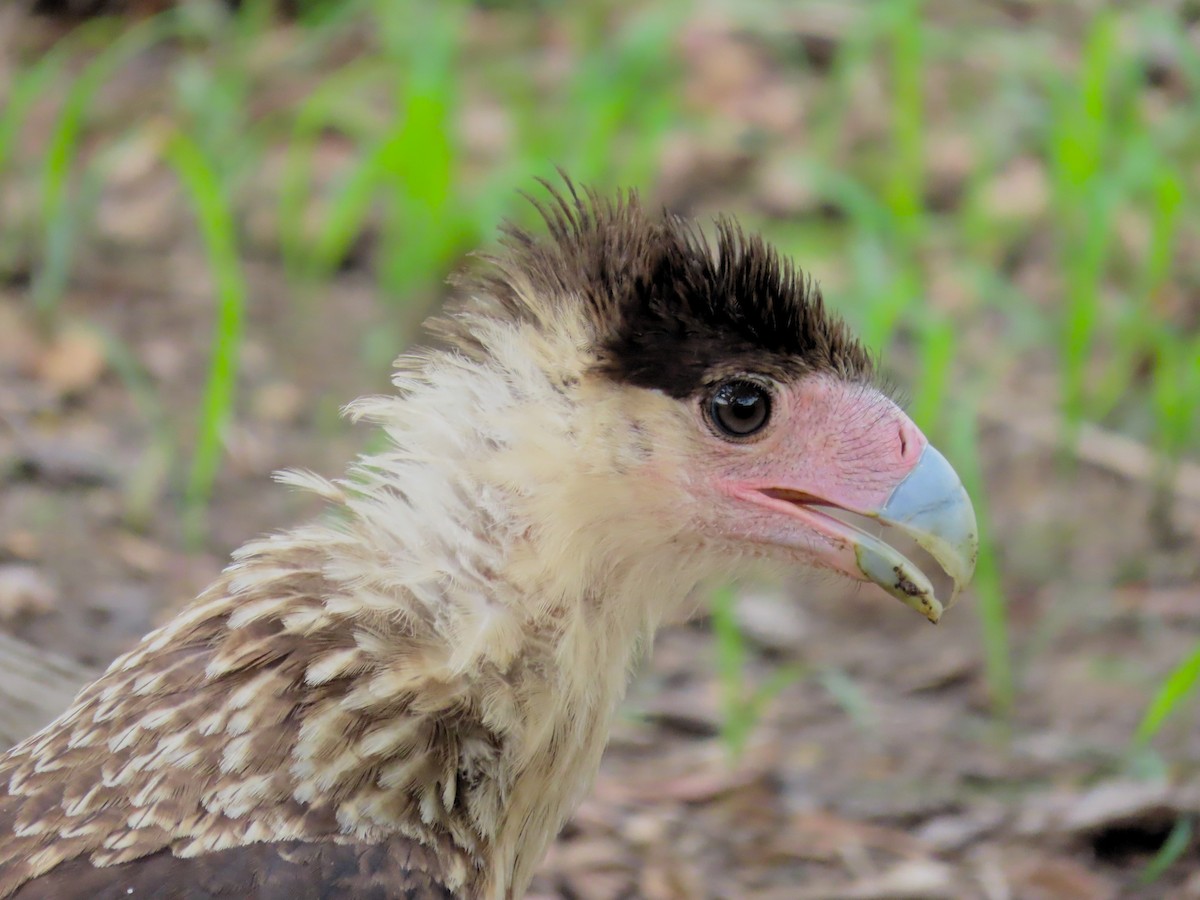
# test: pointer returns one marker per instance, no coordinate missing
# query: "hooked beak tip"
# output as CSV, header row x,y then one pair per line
x,y
930,506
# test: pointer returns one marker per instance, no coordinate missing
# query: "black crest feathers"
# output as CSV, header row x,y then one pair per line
x,y
670,309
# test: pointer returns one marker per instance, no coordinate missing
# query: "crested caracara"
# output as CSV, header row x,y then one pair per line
x,y
408,697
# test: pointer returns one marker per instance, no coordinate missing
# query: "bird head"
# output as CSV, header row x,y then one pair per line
x,y
714,409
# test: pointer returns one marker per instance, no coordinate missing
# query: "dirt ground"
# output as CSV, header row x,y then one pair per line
x,y
881,773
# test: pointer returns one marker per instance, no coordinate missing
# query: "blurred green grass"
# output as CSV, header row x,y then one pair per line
x,y
1113,159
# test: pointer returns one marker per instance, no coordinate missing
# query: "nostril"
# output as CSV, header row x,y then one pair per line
x,y
910,441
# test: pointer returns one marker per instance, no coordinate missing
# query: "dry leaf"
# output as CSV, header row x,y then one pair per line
x,y
73,362
24,590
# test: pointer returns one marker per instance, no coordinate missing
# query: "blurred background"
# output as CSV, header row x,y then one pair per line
x,y
219,222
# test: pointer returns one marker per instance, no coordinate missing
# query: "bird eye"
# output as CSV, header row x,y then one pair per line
x,y
739,408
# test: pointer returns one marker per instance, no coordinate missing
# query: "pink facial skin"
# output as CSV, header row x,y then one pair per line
x,y
827,443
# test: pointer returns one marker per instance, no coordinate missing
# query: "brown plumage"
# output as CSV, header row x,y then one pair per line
x,y
409,697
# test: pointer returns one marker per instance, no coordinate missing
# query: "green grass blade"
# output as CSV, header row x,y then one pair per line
x,y
1081,133
730,648
938,340
741,707
846,692
1175,690
426,216
26,86
1176,844
349,208
215,220
58,215
325,110
907,174
993,605
143,489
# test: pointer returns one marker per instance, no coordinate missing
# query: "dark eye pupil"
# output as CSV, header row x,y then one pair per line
x,y
740,408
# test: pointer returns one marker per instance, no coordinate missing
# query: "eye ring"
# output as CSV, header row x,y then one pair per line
x,y
739,408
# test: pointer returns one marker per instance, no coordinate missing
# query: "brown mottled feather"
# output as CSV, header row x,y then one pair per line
x,y
139,769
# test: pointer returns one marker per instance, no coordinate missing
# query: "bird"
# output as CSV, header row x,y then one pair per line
x,y
408,695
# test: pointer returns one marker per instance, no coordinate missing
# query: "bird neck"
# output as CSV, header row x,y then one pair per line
x,y
495,591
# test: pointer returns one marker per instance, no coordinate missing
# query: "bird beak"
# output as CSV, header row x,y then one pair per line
x,y
927,504
930,506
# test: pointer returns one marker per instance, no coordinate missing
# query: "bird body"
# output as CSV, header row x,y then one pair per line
x,y
408,697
